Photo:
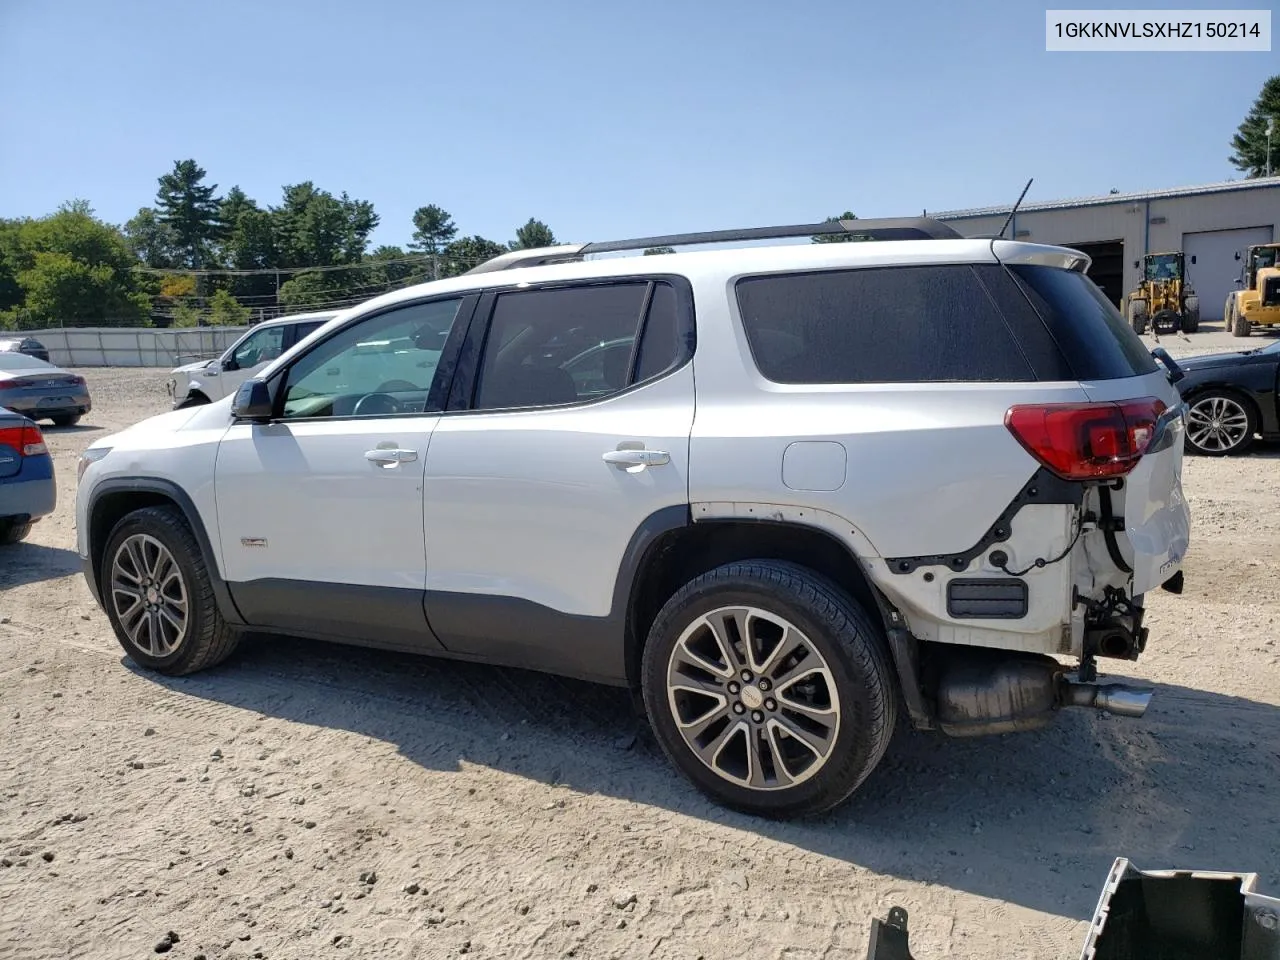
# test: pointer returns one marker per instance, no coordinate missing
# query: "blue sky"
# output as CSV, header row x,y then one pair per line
x,y
604,119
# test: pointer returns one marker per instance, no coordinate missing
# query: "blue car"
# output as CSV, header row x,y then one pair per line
x,y
27,488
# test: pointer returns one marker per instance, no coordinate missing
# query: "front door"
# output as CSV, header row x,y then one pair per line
x,y
566,442
320,510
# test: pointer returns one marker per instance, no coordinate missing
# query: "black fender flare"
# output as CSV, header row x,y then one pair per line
x,y
123,486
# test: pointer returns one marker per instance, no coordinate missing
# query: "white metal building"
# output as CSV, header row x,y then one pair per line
x,y
1209,222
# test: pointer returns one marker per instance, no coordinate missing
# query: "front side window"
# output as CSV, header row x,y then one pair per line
x,y
573,344
260,346
384,365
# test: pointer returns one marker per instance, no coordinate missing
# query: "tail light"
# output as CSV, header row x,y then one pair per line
x,y
1086,441
9,384
26,439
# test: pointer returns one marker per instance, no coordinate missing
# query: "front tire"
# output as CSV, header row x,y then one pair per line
x,y
769,688
158,595
1220,424
1240,327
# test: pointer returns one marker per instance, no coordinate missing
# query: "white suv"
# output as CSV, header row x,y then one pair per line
x,y
784,492
204,381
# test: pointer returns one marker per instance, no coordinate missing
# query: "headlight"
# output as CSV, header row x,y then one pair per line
x,y
92,455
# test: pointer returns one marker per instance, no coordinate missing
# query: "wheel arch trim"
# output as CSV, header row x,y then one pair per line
x,y
123,486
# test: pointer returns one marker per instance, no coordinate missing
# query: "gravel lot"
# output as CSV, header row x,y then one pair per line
x,y
307,801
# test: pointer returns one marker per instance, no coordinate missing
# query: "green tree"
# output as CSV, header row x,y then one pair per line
x,y
314,228
11,295
73,269
532,235
1250,141
190,207
433,229
656,251
836,237
186,313
392,269
226,311
306,290
151,240
467,252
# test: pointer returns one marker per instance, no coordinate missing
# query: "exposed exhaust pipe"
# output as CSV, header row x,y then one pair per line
x,y
1118,698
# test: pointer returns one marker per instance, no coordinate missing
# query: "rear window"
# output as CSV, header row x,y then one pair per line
x,y
1094,338
934,323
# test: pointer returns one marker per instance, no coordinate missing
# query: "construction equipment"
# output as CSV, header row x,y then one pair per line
x,y
1257,302
1164,297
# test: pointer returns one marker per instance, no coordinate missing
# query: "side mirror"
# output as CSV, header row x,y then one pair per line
x,y
1237,254
230,364
1172,370
1137,264
252,401
1193,258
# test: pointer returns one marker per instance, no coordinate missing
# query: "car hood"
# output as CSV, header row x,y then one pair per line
x,y
195,367
1209,361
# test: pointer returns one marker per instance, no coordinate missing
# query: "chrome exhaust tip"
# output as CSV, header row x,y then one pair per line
x,y
1121,699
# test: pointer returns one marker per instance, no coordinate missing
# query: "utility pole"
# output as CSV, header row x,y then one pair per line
x,y
1271,125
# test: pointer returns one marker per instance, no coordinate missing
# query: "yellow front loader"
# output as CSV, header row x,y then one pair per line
x,y
1164,298
1257,302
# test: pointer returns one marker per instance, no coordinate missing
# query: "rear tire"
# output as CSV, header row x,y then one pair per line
x,y
799,655
1138,316
158,595
14,531
68,421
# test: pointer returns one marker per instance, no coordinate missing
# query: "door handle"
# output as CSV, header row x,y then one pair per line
x,y
386,456
637,458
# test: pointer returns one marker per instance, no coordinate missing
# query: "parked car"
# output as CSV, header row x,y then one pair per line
x,y
1231,399
42,391
28,345
827,484
27,488
204,381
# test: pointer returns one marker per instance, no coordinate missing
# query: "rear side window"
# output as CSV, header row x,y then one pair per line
x,y
1094,338
934,323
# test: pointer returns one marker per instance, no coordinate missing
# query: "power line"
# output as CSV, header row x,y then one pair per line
x,y
270,271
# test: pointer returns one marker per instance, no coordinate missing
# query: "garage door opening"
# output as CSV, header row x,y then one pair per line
x,y
1107,269
1214,270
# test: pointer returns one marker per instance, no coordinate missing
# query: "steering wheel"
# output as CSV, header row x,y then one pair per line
x,y
376,403
398,386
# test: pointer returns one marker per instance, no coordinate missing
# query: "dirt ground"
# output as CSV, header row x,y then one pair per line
x,y
307,801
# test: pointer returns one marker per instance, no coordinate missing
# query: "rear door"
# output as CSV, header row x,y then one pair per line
x,y
560,448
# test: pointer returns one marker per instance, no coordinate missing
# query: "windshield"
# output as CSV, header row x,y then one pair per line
x,y
1164,266
1265,258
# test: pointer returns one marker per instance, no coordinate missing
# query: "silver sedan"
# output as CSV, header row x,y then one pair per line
x,y
42,391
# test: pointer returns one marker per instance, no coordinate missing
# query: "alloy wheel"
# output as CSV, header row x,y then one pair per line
x,y
1217,424
149,595
753,698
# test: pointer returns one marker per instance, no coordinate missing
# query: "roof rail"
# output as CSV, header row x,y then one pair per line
x,y
897,228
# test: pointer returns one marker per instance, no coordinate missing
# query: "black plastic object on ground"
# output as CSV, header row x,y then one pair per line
x,y
1153,915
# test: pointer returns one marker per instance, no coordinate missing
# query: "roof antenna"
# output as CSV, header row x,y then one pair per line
x,y
1015,208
